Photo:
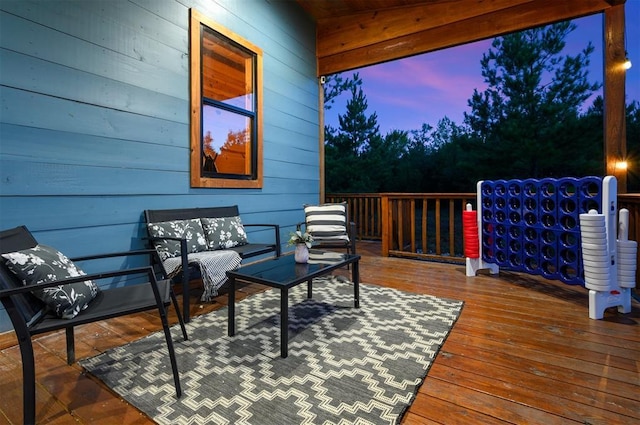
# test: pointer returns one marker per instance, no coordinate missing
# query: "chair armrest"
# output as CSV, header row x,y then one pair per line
x,y
155,257
275,226
148,270
183,250
115,254
276,231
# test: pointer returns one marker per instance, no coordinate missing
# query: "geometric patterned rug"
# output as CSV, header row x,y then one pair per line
x,y
345,365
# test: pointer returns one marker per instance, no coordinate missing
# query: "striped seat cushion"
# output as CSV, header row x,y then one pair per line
x,y
327,222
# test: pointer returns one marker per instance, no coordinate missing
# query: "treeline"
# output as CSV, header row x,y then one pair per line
x,y
530,122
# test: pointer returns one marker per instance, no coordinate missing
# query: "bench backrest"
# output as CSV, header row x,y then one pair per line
x,y
157,216
26,305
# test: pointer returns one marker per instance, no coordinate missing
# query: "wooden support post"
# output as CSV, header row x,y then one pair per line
x,y
321,138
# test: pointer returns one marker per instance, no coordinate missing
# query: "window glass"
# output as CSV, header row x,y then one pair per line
x,y
227,71
226,142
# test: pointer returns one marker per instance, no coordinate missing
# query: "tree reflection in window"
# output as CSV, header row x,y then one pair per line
x,y
226,143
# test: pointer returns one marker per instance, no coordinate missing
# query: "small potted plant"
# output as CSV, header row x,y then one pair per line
x,y
302,241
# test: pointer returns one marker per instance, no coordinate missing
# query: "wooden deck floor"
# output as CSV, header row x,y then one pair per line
x,y
524,351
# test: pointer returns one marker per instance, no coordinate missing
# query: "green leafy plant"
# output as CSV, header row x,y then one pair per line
x,y
299,237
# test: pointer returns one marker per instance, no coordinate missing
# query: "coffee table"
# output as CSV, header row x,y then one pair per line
x,y
284,273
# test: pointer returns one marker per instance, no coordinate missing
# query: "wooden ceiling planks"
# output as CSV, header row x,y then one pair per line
x,y
381,25
356,33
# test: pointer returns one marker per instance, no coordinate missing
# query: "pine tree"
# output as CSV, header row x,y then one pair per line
x,y
335,84
344,168
386,157
525,118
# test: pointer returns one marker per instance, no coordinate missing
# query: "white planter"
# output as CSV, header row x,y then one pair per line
x,y
302,253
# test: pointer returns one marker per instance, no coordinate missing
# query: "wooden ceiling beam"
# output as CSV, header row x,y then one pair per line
x,y
336,35
524,15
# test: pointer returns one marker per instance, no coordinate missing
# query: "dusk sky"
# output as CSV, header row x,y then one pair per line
x,y
424,89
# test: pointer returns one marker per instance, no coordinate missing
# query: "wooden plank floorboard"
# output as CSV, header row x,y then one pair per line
x,y
522,352
432,410
526,337
553,396
485,360
617,336
551,358
488,402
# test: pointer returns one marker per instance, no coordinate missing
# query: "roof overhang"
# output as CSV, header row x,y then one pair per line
x,y
355,33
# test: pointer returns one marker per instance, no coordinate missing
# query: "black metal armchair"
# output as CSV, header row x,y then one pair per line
x,y
30,316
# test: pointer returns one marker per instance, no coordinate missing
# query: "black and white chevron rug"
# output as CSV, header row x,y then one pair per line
x,y
345,365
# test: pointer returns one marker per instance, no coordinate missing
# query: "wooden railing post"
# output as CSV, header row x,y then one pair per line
x,y
438,233
386,224
452,237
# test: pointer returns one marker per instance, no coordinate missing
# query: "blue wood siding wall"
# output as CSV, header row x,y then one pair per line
x,y
94,117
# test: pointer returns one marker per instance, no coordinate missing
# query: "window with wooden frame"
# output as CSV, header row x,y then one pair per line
x,y
226,107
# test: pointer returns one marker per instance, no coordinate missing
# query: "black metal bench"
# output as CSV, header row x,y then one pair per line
x,y
245,251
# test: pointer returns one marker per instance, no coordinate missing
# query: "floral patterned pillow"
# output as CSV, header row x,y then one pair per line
x,y
224,232
191,230
45,264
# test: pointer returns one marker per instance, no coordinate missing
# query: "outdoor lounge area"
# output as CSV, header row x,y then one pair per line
x,y
113,111
522,351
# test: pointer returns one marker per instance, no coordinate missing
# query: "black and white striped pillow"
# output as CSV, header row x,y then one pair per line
x,y
327,222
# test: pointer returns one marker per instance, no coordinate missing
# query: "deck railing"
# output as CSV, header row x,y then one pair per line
x,y
413,225
429,225
365,209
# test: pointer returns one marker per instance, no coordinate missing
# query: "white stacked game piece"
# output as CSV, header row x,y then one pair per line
x,y
595,251
627,253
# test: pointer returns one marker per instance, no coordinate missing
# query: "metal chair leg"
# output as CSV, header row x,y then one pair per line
x,y
174,301
172,353
28,381
71,346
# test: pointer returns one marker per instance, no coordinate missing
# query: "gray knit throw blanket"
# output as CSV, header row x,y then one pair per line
x,y
213,267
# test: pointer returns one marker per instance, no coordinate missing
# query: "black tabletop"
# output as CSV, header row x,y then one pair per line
x,y
284,271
